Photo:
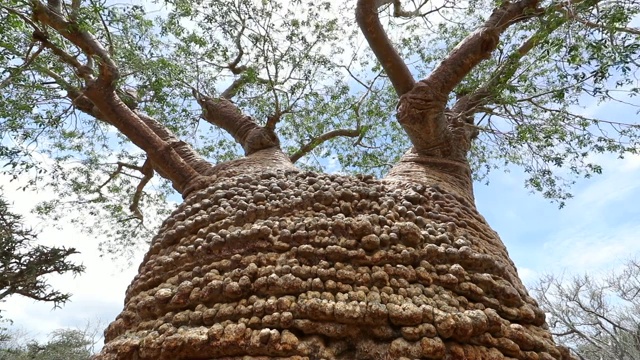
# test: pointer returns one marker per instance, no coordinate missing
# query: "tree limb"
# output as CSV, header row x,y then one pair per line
x,y
239,82
369,23
421,111
478,45
226,115
106,105
107,69
147,171
316,141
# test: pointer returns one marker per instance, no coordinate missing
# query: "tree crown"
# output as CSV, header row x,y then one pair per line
x,y
100,96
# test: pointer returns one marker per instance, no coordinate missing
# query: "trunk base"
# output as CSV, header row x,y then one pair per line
x,y
286,264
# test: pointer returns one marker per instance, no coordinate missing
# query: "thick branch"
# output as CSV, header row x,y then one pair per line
x,y
83,71
421,112
224,114
100,100
186,153
241,81
165,158
477,46
108,70
316,141
467,103
392,63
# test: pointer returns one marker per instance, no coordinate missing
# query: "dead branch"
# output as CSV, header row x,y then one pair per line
x,y
316,141
118,171
147,173
369,23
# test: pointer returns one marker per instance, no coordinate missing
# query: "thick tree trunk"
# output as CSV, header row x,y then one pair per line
x,y
271,262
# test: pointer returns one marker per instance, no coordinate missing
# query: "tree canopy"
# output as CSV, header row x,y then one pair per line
x,y
308,71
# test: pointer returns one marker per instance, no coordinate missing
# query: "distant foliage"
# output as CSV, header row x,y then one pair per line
x,y
65,344
598,318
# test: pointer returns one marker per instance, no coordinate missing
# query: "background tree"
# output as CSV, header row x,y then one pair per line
x,y
264,259
24,265
72,344
596,316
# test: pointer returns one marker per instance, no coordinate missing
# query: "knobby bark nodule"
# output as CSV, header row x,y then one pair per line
x,y
263,260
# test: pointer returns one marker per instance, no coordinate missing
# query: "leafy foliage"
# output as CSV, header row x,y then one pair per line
x,y
24,266
599,318
306,64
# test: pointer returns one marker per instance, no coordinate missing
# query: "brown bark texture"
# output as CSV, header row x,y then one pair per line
x,y
269,262
264,261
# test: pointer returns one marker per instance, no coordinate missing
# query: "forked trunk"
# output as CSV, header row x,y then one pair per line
x,y
270,262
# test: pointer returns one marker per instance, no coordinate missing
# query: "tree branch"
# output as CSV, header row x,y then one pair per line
x,y
226,115
147,171
466,104
369,23
478,46
421,111
100,99
239,82
316,141
107,69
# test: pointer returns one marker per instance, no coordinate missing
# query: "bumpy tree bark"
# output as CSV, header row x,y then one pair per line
x,y
263,260
272,262
267,261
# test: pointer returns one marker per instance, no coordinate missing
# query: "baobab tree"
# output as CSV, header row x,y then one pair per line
x,y
265,257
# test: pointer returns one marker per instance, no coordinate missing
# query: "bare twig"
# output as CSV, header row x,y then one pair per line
x,y
147,171
316,141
